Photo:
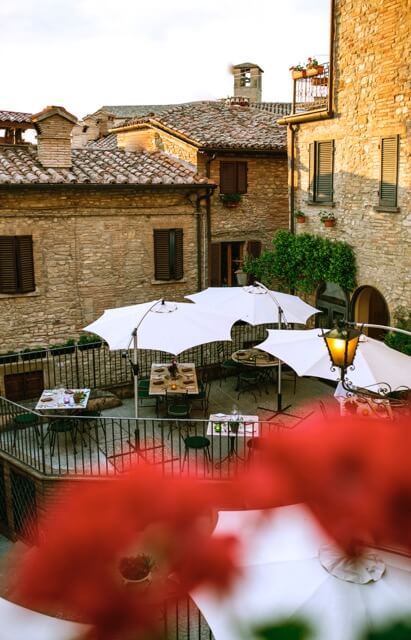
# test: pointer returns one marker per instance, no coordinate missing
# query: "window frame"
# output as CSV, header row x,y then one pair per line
x,y
21,261
315,172
168,254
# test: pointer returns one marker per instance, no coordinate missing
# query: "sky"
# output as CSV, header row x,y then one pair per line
x,y
83,54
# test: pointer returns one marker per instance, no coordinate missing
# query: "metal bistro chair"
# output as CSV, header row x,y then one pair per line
x,y
203,395
249,380
177,408
227,366
62,425
196,443
25,421
143,394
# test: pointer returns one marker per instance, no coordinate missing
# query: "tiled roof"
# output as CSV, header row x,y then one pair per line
x,y
107,142
216,125
20,165
277,108
15,116
139,110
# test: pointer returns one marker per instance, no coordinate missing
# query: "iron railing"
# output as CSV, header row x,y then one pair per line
x,y
310,92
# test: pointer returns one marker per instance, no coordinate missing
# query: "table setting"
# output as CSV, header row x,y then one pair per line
x,y
181,379
62,398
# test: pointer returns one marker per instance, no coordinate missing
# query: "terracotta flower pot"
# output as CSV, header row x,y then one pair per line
x,y
329,223
300,219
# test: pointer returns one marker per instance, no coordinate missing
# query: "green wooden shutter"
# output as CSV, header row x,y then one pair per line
x,y
324,171
228,177
178,254
8,266
389,172
241,177
24,260
311,169
161,254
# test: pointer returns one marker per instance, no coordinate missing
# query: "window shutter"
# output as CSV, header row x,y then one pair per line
x,y
215,265
324,171
389,172
8,267
24,261
241,177
228,173
311,170
161,254
254,248
178,255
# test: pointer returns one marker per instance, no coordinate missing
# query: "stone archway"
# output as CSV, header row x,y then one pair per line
x,y
369,306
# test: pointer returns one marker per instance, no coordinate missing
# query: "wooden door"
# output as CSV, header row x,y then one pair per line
x,y
23,386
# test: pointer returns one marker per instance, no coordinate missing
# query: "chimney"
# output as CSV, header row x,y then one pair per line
x,y
238,101
248,81
54,126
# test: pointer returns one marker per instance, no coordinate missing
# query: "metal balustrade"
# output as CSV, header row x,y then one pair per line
x,y
310,92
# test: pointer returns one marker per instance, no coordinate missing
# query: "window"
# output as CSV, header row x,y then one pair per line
x,y
168,254
233,177
389,172
16,264
245,78
321,171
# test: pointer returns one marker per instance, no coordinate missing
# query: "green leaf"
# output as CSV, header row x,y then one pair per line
x,y
283,631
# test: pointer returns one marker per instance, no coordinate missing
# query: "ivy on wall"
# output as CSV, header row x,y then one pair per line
x,y
301,262
400,341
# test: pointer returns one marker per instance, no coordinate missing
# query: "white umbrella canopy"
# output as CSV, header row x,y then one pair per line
x,y
255,304
305,351
283,578
164,326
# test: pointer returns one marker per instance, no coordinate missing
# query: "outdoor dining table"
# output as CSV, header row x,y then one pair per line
x,y
62,400
161,381
254,358
365,407
234,427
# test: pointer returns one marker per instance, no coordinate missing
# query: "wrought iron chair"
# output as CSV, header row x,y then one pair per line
x,y
196,443
249,380
203,395
227,366
178,407
25,421
62,425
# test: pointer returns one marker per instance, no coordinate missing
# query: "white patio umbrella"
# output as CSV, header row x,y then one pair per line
x,y
284,578
256,304
305,351
165,326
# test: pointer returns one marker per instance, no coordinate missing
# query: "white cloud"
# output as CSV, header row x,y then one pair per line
x,y
86,53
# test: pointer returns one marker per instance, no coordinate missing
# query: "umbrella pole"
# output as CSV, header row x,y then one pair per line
x,y
135,373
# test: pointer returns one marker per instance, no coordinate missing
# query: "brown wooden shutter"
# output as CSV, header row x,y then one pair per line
x,y
324,171
25,267
228,177
215,265
241,177
8,266
254,248
389,172
178,255
311,170
161,254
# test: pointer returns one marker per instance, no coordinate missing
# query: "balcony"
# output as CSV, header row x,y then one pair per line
x,y
310,89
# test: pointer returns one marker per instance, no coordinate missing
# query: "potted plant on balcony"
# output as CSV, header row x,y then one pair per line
x,y
300,217
89,341
311,68
33,353
8,357
61,349
230,199
327,218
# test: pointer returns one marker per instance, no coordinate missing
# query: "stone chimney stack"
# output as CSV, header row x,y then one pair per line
x,y
248,81
54,126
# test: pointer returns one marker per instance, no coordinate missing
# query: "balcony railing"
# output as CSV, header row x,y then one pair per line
x,y
310,90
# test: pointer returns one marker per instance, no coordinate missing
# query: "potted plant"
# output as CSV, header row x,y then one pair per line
x,y
9,356
230,199
33,353
300,217
89,341
311,68
327,218
66,347
136,569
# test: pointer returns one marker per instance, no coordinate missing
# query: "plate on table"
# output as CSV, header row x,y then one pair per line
x,y
241,354
185,369
158,382
188,381
68,391
47,399
159,369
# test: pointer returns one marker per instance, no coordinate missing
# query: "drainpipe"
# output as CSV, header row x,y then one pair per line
x,y
292,178
209,159
205,197
331,66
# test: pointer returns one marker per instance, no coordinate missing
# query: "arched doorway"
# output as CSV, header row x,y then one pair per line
x,y
332,300
369,306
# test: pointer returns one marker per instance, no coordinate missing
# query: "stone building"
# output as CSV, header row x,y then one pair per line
x,y
85,230
243,151
350,154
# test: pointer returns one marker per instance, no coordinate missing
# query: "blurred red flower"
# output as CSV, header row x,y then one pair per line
x,y
141,512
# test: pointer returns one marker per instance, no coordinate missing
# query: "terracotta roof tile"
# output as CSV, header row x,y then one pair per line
x,y
20,165
15,116
217,125
107,142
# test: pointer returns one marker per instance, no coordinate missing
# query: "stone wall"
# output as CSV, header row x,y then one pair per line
x,y
372,99
262,210
93,249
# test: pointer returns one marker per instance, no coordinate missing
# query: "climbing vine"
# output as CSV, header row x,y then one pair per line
x,y
301,262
